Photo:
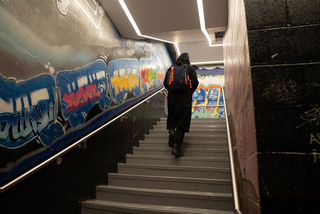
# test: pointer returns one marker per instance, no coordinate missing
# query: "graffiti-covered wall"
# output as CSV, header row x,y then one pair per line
x,y
207,100
64,71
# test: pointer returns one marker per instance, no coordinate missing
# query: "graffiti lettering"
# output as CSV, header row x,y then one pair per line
x,y
149,76
81,98
316,155
311,116
127,81
153,74
145,76
160,76
284,92
32,122
314,139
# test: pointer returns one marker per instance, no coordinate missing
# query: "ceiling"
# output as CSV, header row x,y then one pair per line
x,y
174,21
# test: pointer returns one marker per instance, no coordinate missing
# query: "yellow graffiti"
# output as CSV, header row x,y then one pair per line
x,y
127,81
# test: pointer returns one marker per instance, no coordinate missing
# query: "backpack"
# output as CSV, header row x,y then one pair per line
x,y
179,78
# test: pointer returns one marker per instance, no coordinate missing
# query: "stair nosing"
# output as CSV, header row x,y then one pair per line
x,y
164,192
192,168
170,178
138,156
193,149
147,207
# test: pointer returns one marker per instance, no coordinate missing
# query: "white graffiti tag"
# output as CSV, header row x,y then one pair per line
x,y
93,10
316,155
311,116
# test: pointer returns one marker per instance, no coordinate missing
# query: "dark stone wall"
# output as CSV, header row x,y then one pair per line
x,y
284,47
240,107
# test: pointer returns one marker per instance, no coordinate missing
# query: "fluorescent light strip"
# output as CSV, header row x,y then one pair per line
x,y
203,25
134,25
202,22
208,62
177,48
216,45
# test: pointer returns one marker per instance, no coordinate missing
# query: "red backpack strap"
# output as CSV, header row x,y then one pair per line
x,y
187,79
171,75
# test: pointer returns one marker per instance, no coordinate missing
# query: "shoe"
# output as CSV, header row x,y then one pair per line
x,y
171,137
176,150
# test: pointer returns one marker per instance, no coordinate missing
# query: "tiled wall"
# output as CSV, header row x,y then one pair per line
x,y
284,47
240,107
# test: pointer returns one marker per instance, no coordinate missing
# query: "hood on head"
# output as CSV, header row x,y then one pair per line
x,y
184,58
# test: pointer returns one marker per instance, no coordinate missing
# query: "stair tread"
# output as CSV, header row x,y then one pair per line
x,y
181,158
193,149
169,178
192,168
177,193
152,208
153,180
188,141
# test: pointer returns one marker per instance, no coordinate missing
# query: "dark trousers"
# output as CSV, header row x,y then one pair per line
x,y
179,135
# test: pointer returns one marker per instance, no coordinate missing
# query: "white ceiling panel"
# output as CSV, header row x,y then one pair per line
x,y
175,21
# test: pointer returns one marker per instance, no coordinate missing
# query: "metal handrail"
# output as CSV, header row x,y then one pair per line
x,y
234,183
49,160
207,105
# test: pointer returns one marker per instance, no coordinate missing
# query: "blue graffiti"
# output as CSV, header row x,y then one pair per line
x,y
212,96
199,95
81,89
27,112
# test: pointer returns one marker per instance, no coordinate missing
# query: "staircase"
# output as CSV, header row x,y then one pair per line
x,y
154,181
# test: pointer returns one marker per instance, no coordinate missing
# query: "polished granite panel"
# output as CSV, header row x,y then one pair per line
x,y
263,14
286,85
285,45
288,183
287,128
303,12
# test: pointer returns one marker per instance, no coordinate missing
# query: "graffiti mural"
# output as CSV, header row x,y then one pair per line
x,y
152,74
60,80
82,88
125,79
27,112
207,100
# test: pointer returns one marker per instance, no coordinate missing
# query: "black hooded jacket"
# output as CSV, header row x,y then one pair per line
x,y
179,103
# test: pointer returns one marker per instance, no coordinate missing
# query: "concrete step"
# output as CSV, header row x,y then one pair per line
x,y
195,126
183,161
188,152
170,183
202,121
175,171
217,144
111,207
199,120
189,136
202,200
154,181
193,130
